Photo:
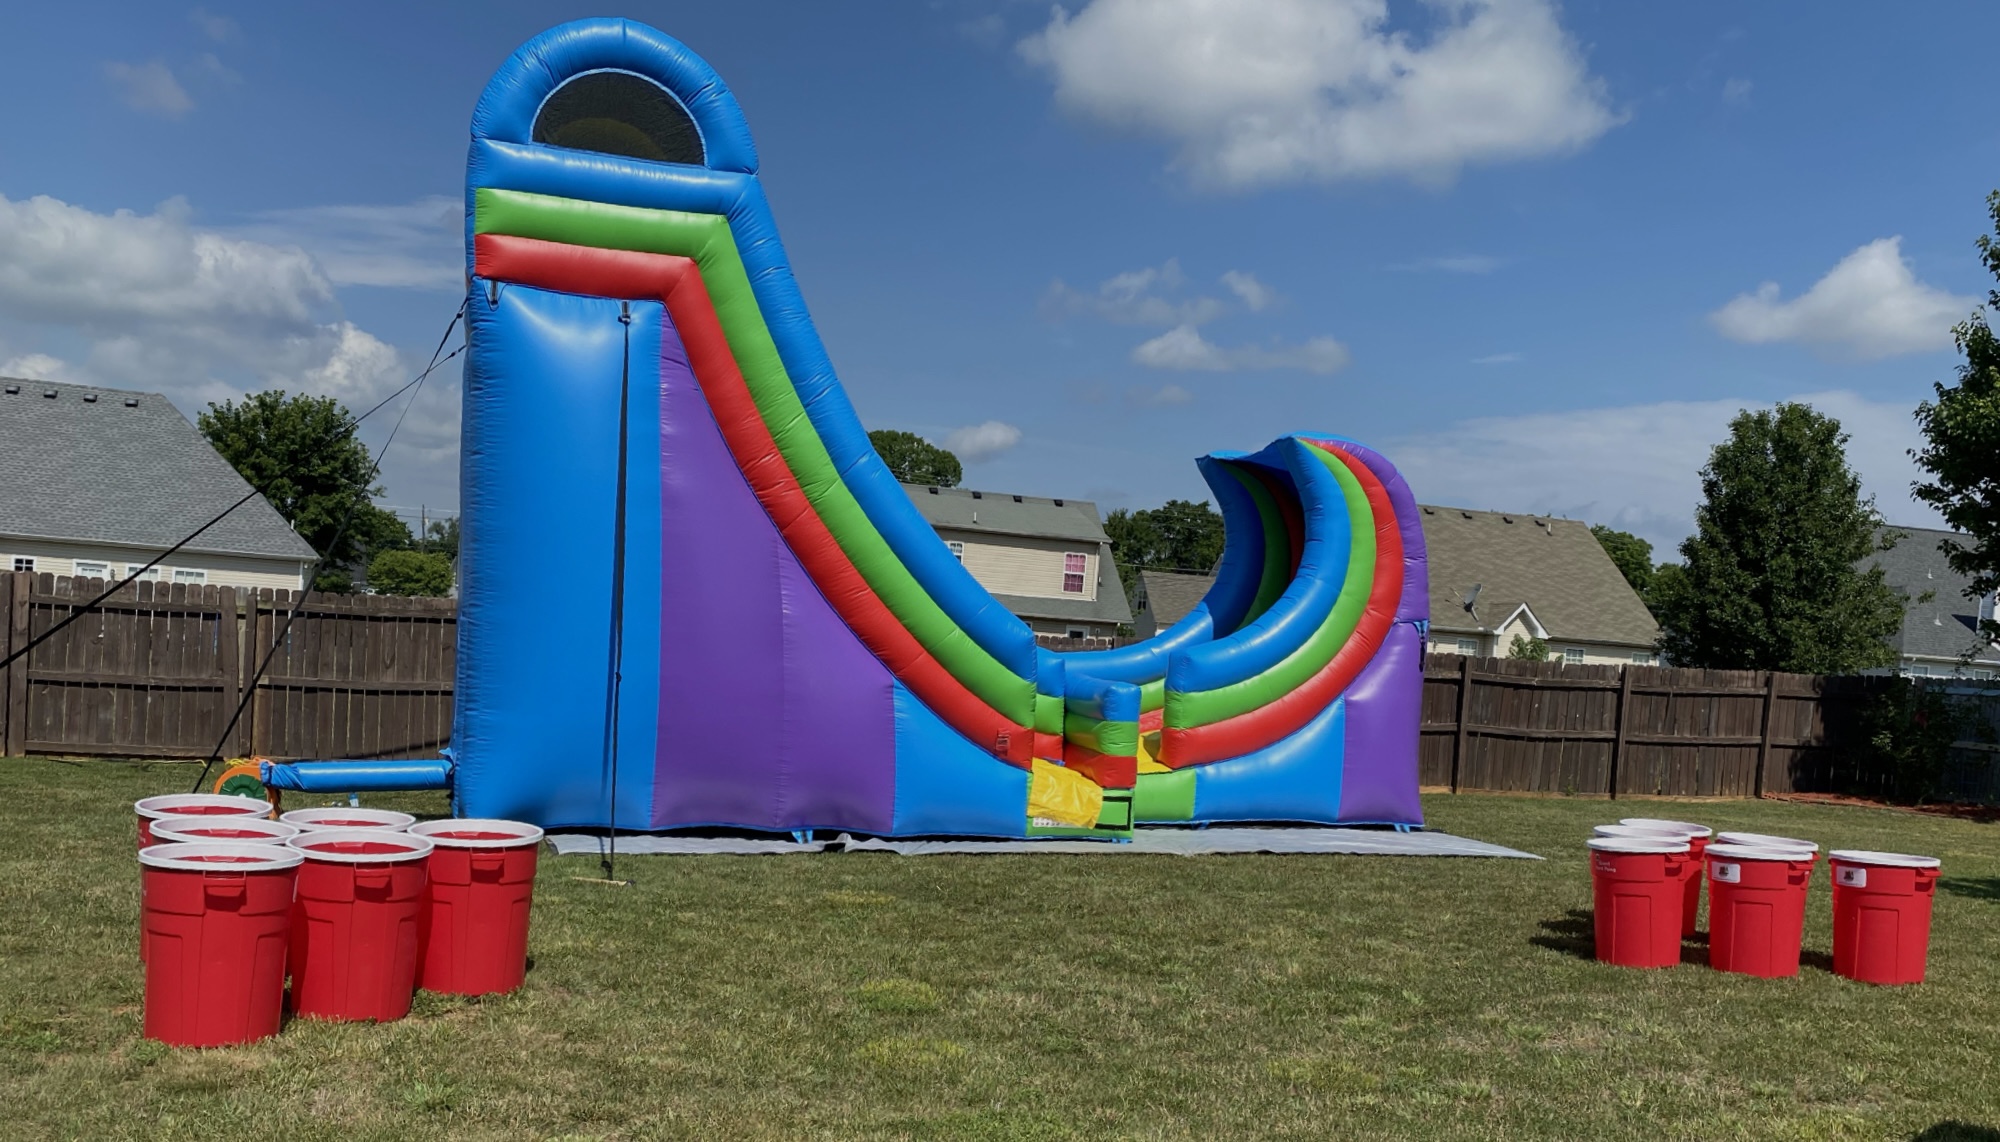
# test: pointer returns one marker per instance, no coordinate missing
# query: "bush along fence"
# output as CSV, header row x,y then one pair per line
x,y
159,668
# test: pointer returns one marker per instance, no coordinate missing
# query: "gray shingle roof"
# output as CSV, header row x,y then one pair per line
x,y
1946,625
1555,566
1005,514
110,466
1172,594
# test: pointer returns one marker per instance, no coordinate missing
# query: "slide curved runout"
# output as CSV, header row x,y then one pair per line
x,y
757,627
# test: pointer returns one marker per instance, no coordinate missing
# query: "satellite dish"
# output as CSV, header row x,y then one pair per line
x,y
1472,600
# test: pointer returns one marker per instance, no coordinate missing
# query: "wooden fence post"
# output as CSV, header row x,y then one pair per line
x,y
17,674
1464,717
1618,738
1770,710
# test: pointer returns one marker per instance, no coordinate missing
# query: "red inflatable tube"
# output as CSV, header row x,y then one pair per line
x,y
1288,507
677,282
1108,771
1252,731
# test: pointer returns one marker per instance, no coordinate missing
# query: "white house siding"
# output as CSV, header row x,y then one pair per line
x,y
1018,565
1489,645
59,557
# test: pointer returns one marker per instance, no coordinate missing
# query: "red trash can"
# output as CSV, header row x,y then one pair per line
x,y
1765,841
354,926
347,817
1882,914
217,915
1637,887
249,830
152,809
473,938
1697,838
1756,908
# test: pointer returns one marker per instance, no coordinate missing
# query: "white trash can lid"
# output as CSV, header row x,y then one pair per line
x,y
220,856
244,830
1766,840
1658,843
360,846
478,833
1756,852
200,805
1889,860
1661,825
346,817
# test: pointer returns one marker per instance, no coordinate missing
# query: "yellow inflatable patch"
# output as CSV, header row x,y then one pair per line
x,y
1063,795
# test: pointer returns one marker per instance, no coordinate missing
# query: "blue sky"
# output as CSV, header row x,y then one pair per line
x,y
1522,248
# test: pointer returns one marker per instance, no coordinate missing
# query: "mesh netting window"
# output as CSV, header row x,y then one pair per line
x,y
616,113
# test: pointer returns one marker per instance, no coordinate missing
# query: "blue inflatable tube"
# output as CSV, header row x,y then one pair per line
x,y
356,776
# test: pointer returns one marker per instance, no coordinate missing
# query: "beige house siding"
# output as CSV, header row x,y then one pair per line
x,y
1487,645
60,557
1025,566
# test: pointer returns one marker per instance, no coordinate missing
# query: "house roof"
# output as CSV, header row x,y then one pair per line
x,y
93,465
1553,566
1944,625
1172,594
1001,513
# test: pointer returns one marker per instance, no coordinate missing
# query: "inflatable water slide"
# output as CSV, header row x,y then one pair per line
x,y
758,628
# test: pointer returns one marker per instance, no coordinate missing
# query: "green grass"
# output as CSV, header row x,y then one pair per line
x,y
1032,997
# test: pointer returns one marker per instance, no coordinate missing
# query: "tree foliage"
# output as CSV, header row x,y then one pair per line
x,y
1634,556
1771,578
1528,649
409,572
299,451
1179,535
1961,431
915,460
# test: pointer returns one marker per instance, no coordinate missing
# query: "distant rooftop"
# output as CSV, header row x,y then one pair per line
x,y
1003,513
1553,565
86,464
1946,624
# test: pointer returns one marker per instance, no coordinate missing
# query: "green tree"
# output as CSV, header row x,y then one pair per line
x,y
1179,535
1961,431
1529,649
301,453
1771,579
1634,556
441,537
408,572
915,460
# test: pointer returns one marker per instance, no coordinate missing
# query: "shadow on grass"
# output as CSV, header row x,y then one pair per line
x,y
1978,888
1808,958
1573,934
1957,1132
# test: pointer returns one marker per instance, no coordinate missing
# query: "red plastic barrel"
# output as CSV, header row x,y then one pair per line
x,y
354,927
344,817
1766,841
1882,914
1756,908
473,938
249,830
216,916
152,809
1637,885
1697,838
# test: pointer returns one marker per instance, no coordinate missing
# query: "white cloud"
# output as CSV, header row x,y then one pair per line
x,y
1166,396
1736,91
40,367
1497,359
977,442
416,244
221,29
1184,348
1254,295
1871,305
1261,92
1636,468
1135,297
150,87
1456,264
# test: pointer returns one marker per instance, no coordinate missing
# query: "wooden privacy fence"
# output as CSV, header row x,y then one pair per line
x,y
159,668
1542,727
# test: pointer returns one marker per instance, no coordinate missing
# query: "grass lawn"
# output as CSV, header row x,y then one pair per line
x,y
1030,997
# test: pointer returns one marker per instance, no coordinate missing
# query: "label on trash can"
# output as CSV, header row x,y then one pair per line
x,y
1853,876
1725,873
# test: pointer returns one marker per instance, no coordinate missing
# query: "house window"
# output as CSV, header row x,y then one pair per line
x,y
87,570
1573,655
23,563
1076,632
1641,658
141,571
189,575
1468,646
1917,671
1073,565
957,549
